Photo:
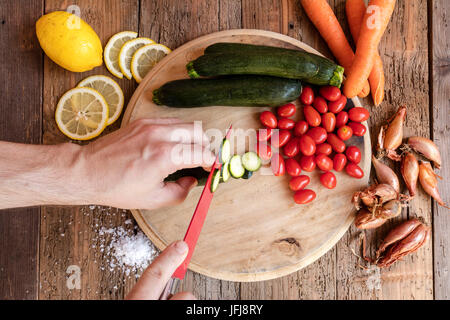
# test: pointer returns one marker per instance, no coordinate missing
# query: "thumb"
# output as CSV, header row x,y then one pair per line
x,y
176,192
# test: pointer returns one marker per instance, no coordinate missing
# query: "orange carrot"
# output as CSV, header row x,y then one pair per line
x,y
323,18
373,25
355,10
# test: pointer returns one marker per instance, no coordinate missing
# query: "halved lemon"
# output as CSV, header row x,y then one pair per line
x,y
112,50
82,113
145,58
110,90
127,52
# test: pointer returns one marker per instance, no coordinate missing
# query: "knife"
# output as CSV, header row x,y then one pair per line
x,y
194,229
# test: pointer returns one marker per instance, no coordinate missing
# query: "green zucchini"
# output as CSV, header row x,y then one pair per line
x,y
263,60
199,173
222,47
225,151
235,167
226,171
247,175
215,181
247,90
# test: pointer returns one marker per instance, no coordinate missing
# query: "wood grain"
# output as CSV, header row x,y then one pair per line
x,y
440,86
20,121
69,234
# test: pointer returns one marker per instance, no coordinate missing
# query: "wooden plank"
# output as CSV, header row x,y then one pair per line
x,y
440,86
20,121
69,235
404,51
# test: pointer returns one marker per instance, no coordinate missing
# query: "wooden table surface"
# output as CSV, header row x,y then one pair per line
x,y
38,244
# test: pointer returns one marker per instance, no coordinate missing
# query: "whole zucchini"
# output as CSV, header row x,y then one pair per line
x,y
248,90
236,58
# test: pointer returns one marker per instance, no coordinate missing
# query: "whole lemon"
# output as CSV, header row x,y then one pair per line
x,y
69,41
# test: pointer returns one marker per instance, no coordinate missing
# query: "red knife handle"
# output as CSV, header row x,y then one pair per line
x,y
196,224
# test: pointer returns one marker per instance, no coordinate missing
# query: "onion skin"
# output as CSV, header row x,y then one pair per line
x,y
429,183
427,148
385,174
393,134
406,244
410,172
366,220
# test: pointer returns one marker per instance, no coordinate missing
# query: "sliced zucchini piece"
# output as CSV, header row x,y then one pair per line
x,y
226,171
247,174
236,168
251,161
215,181
225,151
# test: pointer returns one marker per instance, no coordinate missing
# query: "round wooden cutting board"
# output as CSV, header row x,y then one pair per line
x,y
254,230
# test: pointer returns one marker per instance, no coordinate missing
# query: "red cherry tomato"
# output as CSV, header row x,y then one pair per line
x,y
358,114
281,139
300,128
264,134
358,128
329,121
264,150
288,110
277,165
338,105
341,119
291,149
324,148
330,93
307,145
298,183
286,124
354,170
307,163
318,134
345,133
312,116
307,96
323,162
328,180
292,167
337,144
320,104
353,154
268,119
339,162
304,196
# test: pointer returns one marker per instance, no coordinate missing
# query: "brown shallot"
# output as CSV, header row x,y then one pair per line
x,y
428,181
410,172
366,220
388,210
406,241
391,135
374,195
385,174
427,148
398,233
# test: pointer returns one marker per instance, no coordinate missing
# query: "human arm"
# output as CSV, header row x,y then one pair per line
x,y
124,169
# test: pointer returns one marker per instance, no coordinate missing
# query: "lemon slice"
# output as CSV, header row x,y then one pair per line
x,y
81,113
112,50
127,51
145,58
110,90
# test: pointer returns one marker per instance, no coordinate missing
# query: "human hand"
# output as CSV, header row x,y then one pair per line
x,y
126,168
154,279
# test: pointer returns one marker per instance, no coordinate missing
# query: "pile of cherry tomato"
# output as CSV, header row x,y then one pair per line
x,y
317,141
